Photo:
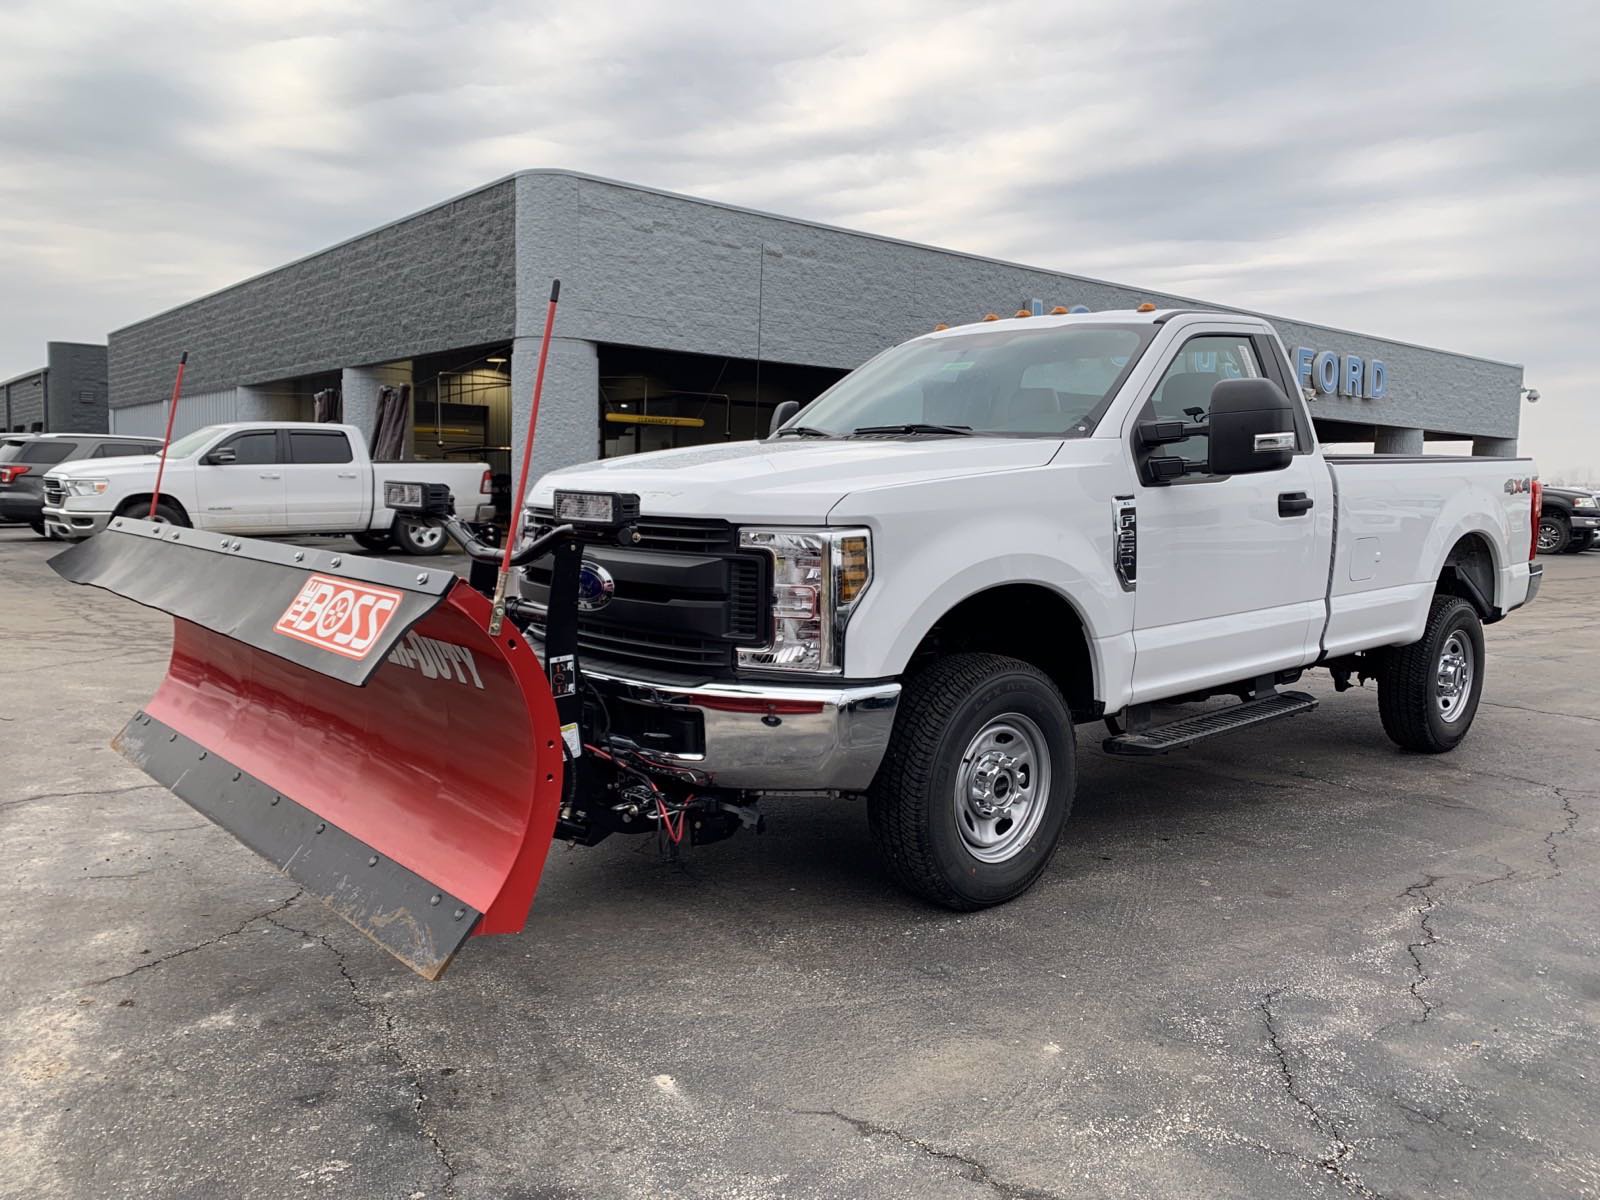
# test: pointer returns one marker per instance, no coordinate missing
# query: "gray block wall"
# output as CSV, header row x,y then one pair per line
x,y
78,384
22,401
642,267
437,280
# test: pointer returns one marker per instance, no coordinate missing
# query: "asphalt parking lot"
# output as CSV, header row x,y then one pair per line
x,y
1293,963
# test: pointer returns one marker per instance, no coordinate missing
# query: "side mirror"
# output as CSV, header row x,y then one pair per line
x,y
1251,427
221,458
781,415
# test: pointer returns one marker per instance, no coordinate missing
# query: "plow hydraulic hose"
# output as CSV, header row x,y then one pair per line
x,y
519,497
172,413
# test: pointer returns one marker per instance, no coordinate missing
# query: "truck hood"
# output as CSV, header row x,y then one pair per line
x,y
132,465
793,479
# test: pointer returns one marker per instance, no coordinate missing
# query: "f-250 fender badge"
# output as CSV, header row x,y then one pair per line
x,y
1125,541
1515,487
338,615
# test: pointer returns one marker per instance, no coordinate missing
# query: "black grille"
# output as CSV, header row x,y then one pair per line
x,y
683,614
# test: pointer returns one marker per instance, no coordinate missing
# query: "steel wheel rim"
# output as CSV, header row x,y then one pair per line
x,y
1549,535
426,536
1453,676
1002,788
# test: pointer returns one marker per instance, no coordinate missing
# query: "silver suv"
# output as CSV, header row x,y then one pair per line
x,y
25,457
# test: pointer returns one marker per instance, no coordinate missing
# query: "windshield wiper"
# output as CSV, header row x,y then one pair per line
x,y
803,431
914,427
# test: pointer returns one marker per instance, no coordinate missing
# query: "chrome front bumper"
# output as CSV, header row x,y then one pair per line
x,y
70,523
770,737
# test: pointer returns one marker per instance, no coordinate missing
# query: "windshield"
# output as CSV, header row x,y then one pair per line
x,y
1053,381
188,443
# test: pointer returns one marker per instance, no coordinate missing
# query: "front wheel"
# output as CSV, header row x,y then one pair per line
x,y
976,784
38,527
1428,691
1554,534
418,537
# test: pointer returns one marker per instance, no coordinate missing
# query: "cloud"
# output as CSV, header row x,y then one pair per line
x,y
1426,171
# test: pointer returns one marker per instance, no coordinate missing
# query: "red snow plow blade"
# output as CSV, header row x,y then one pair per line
x,y
351,721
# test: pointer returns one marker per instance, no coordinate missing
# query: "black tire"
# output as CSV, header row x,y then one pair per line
x,y
1410,702
912,806
166,511
376,542
418,537
38,527
1581,542
1554,534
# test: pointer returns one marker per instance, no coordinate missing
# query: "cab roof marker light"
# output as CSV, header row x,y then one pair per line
x,y
991,316
1146,307
1023,312
941,327
1059,310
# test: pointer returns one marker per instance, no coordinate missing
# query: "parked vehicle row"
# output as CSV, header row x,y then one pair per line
x,y
1569,520
264,478
25,458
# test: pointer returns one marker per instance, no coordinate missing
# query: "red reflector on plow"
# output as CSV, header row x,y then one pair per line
x,y
366,734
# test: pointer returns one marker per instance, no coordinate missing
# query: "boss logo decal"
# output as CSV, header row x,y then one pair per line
x,y
338,616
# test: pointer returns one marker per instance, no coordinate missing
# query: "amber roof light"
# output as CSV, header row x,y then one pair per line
x,y
1146,307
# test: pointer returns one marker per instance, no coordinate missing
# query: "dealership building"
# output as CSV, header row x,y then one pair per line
x,y
682,321
66,395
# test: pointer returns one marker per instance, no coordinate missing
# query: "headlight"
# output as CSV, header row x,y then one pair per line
x,y
1585,502
86,487
818,575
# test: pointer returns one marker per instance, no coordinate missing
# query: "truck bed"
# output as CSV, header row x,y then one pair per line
x,y
1398,518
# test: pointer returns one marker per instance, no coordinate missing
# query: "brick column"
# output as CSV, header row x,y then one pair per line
x,y
1399,441
569,412
359,389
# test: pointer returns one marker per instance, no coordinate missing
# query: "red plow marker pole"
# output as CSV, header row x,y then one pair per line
x,y
172,412
519,497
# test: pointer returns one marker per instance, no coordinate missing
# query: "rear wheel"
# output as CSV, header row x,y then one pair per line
x,y
418,537
1428,692
376,542
1554,534
975,787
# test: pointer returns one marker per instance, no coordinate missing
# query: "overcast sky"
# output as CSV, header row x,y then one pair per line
x,y
1426,171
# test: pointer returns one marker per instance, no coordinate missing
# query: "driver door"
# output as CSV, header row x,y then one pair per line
x,y
1232,572
245,495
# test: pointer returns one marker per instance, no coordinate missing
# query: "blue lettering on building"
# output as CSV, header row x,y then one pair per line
x,y
1329,373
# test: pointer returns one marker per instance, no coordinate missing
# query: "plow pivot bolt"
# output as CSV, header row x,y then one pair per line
x,y
321,826
172,737
337,560
436,899
236,775
460,912
423,578
373,861
275,799
202,754
298,556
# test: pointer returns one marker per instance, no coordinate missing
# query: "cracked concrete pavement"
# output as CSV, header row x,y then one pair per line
x,y
1296,962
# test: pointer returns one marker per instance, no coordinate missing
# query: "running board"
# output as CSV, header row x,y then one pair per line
x,y
1176,735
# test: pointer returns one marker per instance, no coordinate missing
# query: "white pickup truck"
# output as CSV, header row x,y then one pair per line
x,y
916,587
262,478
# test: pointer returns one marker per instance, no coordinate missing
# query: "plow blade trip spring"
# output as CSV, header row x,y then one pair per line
x,y
351,721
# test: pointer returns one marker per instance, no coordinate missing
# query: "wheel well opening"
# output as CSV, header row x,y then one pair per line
x,y
1025,621
1469,572
139,505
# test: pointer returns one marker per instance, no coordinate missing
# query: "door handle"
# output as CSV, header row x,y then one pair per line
x,y
347,475
270,475
1292,504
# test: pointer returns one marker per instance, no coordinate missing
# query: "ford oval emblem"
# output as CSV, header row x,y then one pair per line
x,y
595,586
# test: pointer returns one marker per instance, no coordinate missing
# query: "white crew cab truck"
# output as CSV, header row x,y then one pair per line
x,y
914,589
262,478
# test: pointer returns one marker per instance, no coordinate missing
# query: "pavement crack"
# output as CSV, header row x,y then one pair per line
x,y
212,941
1422,893
1563,831
138,787
380,1015
1339,1149
1543,712
969,1168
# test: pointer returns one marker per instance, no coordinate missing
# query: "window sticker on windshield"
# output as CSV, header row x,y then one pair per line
x,y
954,366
